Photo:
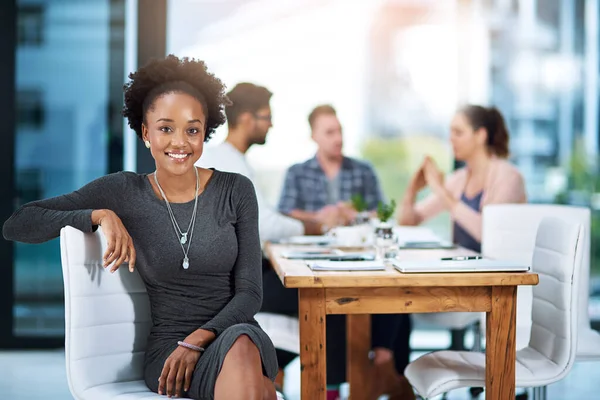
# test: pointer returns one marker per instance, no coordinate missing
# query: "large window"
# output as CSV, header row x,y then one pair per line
x,y
69,74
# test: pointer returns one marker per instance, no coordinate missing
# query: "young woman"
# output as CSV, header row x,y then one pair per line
x,y
480,139
192,233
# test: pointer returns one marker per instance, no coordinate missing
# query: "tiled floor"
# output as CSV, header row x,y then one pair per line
x,y
31,375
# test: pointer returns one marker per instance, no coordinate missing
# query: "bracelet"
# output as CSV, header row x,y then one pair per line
x,y
190,346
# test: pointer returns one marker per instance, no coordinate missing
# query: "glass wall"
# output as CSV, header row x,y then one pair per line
x,y
69,74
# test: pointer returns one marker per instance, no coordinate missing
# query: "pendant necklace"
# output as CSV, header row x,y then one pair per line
x,y
182,237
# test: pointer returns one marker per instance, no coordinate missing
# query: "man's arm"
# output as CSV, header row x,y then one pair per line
x,y
291,204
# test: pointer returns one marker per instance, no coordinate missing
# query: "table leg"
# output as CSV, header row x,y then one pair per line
x,y
500,356
313,378
358,367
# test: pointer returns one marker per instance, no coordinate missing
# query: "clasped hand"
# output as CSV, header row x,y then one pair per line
x,y
428,174
333,215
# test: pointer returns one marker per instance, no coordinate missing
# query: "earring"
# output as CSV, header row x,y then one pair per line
x,y
147,142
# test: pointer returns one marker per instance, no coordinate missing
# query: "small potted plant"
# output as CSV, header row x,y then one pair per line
x,y
360,206
384,234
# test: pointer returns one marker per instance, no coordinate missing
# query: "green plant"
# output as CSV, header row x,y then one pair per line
x,y
358,202
385,211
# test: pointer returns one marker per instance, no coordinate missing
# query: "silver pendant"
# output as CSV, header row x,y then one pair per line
x,y
186,263
183,239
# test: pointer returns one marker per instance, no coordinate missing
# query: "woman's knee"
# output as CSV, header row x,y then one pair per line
x,y
269,392
243,349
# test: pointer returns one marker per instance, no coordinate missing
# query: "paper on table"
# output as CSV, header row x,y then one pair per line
x,y
346,266
312,254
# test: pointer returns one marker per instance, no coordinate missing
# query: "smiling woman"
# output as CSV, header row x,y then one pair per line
x,y
192,234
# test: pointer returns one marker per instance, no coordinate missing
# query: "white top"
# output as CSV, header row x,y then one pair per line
x,y
272,225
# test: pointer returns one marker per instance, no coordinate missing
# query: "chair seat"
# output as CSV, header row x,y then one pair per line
x,y
283,330
441,371
588,345
131,390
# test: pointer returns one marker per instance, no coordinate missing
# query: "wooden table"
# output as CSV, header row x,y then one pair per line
x,y
359,294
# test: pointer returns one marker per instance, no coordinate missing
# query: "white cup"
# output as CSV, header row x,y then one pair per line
x,y
352,236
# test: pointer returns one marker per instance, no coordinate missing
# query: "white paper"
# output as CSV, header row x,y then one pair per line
x,y
346,266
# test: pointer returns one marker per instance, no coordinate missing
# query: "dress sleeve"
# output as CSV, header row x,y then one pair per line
x,y
42,220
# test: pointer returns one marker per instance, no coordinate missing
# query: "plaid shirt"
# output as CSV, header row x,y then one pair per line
x,y
305,186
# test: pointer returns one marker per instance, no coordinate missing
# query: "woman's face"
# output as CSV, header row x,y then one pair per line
x,y
464,139
175,125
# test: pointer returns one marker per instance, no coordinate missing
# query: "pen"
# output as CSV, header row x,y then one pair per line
x,y
462,258
350,259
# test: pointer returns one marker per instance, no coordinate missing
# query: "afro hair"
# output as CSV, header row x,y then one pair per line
x,y
169,75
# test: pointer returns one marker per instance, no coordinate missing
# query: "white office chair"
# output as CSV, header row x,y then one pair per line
x,y
551,352
107,320
509,232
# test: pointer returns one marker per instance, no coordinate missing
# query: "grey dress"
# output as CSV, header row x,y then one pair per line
x,y
222,289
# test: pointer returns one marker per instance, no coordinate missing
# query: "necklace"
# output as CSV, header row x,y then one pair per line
x,y
182,236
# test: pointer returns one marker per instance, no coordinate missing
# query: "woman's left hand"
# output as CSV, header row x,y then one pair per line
x,y
433,176
177,372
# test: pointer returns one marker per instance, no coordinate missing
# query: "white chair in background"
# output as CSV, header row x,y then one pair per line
x,y
551,352
107,321
509,232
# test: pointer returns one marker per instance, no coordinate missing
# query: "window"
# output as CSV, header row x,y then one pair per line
x,y
30,25
30,109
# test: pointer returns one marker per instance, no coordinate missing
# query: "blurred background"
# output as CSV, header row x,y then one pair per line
x,y
395,70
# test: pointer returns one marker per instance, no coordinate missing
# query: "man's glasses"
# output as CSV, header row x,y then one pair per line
x,y
267,118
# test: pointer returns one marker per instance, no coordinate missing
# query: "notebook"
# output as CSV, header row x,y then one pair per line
x,y
346,265
439,266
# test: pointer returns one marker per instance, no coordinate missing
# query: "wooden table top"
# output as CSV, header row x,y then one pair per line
x,y
296,274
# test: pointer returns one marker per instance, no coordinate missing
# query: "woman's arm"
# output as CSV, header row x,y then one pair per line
x,y
42,220
413,213
408,214
247,271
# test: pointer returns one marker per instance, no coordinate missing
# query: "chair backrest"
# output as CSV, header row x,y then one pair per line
x,y
107,316
509,232
557,260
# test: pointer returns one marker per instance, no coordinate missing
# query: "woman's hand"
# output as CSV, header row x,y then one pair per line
x,y
120,245
177,372
418,180
432,174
